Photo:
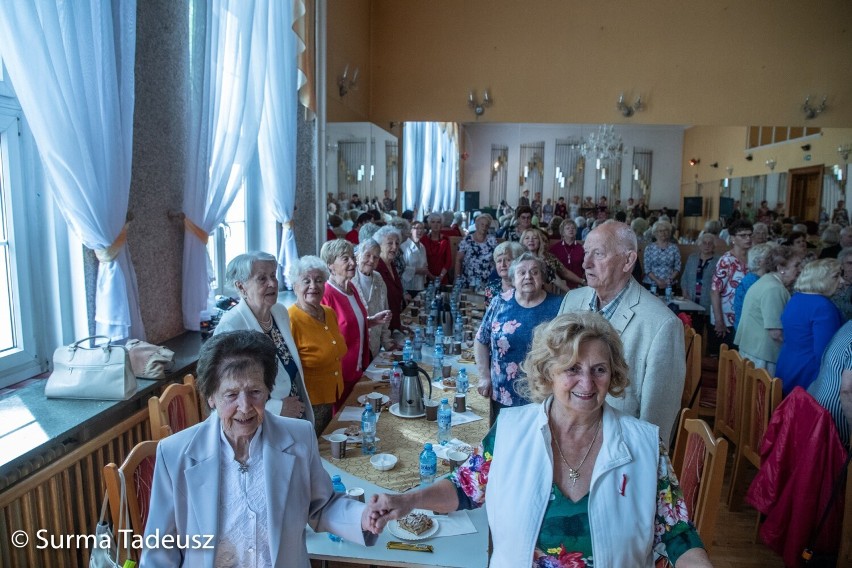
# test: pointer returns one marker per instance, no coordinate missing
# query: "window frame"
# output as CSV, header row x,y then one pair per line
x,y
22,361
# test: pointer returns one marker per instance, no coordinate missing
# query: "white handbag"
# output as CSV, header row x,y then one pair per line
x,y
102,372
105,542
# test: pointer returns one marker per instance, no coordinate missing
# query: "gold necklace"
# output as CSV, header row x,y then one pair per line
x,y
573,472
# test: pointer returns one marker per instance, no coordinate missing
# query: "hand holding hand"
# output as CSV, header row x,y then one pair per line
x,y
384,508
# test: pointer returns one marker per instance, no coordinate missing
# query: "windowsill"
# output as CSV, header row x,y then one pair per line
x,y
36,430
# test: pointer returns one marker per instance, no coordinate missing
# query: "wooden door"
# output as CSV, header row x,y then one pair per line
x,y
804,192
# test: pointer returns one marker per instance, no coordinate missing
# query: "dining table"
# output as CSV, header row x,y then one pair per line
x,y
462,537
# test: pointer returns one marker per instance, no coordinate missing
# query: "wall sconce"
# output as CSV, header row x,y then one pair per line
x,y
694,161
730,170
346,83
714,165
770,163
627,110
812,111
479,106
844,150
749,157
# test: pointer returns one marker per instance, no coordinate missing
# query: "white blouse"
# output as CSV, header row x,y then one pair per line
x,y
243,523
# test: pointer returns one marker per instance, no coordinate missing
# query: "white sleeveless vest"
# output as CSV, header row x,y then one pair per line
x,y
521,476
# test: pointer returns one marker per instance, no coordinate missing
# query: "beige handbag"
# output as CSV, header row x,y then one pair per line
x,y
101,372
149,361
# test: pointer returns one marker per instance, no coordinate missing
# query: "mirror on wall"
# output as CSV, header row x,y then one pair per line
x,y
361,158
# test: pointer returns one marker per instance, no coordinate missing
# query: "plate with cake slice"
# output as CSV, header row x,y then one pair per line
x,y
414,526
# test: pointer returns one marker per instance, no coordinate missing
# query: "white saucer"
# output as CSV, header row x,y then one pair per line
x,y
394,409
399,532
363,399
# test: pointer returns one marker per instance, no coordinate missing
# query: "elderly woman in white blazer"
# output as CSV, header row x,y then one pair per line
x,y
239,488
254,276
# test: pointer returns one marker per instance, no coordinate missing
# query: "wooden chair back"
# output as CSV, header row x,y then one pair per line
x,y
692,342
729,394
138,470
762,395
699,462
177,408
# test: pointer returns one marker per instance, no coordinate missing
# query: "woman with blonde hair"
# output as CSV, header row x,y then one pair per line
x,y
661,259
810,320
555,473
557,276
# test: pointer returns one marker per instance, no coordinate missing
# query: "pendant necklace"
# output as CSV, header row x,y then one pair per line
x,y
574,472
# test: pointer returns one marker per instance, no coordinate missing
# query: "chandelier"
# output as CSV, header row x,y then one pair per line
x,y
604,144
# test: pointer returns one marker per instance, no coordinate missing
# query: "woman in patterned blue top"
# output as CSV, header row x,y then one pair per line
x,y
474,261
507,330
662,258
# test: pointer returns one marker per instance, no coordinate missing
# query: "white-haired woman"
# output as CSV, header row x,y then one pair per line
x,y
504,254
810,320
389,240
758,256
371,286
352,317
662,258
317,336
254,276
416,267
473,260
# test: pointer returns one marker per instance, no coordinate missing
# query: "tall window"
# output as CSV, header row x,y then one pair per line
x,y
18,334
229,240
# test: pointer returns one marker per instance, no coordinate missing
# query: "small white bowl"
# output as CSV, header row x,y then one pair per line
x,y
383,462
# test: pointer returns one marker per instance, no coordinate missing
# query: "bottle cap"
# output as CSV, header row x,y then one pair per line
x,y
367,407
427,446
335,478
444,401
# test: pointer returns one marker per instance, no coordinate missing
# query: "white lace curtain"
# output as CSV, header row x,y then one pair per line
x,y
248,57
72,67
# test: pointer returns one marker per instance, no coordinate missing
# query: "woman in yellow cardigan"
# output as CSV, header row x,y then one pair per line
x,y
318,339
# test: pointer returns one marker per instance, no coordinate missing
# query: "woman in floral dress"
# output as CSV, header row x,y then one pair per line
x,y
569,481
474,260
506,331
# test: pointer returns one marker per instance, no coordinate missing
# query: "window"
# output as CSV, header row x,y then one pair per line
x,y
228,241
18,333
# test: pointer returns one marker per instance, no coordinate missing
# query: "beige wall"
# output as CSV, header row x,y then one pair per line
x,y
712,62
726,145
348,41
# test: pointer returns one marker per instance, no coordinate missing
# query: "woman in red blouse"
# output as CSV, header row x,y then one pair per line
x,y
341,296
439,254
569,251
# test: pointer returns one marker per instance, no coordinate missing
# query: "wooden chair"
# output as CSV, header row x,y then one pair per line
x,y
691,386
177,408
762,395
699,462
138,470
729,394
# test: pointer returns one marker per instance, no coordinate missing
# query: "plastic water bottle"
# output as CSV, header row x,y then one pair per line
x,y
428,465
406,350
338,488
395,382
368,430
458,328
462,382
429,339
439,336
417,345
654,288
445,422
669,295
438,363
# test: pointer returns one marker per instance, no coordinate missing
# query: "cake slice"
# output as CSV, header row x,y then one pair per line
x,y
416,523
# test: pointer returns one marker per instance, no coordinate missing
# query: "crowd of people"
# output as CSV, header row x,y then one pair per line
x,y
579,356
